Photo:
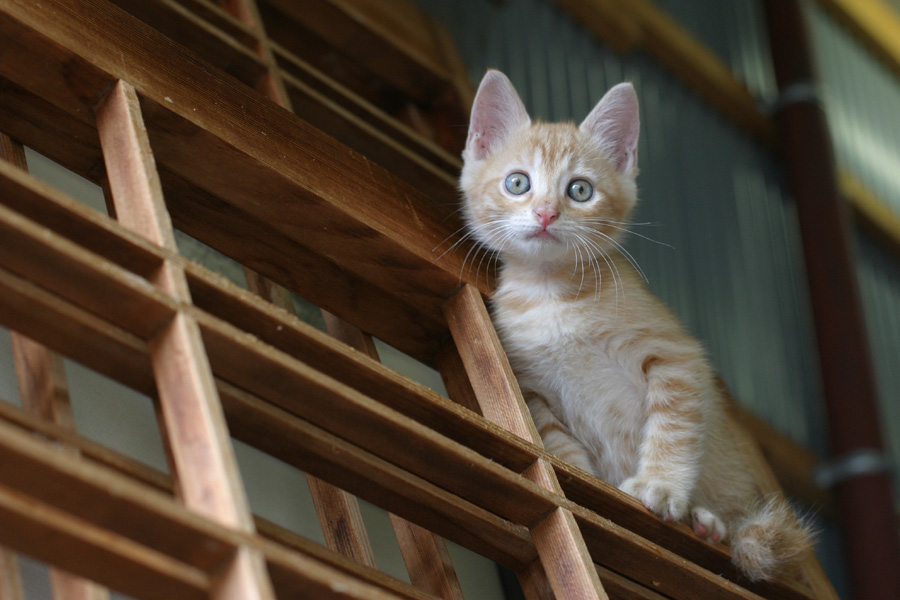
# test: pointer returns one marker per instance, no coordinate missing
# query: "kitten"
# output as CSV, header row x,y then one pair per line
x,y
614,383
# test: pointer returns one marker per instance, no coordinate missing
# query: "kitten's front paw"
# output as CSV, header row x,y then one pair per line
x,y
662,497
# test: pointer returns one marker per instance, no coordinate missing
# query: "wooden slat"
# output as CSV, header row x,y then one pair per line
x,y
55,536
86,447
427,560
44,392
558,541
221,299
271,431
364,474
77,504
115,504
245,143
332,405
160,481
270,85
26,249
425,554
397,46
485,362
10,576
72,331
206,470
654,567
338,511
224,43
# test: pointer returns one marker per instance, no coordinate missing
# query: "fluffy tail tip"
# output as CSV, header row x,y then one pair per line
x,y
770,541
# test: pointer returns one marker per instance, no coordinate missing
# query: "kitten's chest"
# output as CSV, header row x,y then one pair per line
x,y
561,349
560,343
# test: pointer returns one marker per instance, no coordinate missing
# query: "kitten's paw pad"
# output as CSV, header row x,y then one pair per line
x,y
661,497
708,526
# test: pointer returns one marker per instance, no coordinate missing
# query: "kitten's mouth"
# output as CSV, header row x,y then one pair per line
x,y
543,235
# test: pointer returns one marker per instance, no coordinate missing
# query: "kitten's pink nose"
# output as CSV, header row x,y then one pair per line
x,y
546,215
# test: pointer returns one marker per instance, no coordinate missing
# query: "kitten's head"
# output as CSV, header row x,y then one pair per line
x,y
549,192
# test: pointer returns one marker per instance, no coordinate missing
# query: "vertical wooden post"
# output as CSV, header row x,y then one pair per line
x,y
561,549
43,389
10,576
204,465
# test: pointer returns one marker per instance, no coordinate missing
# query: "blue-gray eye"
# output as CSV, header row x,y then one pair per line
x,y
517,183
580,190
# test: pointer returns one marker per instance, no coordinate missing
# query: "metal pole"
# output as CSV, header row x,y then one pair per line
x,y
864,496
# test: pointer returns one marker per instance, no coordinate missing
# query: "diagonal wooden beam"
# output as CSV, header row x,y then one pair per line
x,y
206,472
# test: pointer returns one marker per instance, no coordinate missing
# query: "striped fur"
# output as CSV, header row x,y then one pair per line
x,y
615,384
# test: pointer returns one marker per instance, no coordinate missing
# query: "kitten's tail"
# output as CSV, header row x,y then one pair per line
x,y
770,540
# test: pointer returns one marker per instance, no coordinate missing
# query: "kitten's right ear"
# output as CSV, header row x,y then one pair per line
x,y
496,112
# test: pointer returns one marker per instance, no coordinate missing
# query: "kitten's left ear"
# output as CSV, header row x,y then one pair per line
x,y
615,123
497,111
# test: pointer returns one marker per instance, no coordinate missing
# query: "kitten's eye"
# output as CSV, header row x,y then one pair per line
x,y
518,183
580,190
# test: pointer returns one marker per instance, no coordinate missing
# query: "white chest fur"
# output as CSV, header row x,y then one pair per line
x,y
561,349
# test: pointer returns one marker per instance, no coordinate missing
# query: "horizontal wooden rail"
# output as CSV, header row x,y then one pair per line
x,y
159,481
134,539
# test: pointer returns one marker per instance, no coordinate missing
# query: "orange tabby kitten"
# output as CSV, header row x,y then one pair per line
x,y
615,384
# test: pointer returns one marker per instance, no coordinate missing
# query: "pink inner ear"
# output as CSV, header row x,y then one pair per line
x,y
615,124
496,112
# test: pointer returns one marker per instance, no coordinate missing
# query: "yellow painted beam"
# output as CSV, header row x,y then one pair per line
x,y
871,211
874,23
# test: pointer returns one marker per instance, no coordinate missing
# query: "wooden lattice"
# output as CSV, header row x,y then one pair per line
x,y
190,128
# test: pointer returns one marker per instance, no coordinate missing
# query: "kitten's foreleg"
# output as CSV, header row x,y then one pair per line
x,y
557,438
672,443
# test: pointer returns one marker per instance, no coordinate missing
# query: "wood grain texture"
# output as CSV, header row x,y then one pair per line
x,y
55,536
560,547
130,167
147,535
486,364
196,435
425,554
10,577
427,560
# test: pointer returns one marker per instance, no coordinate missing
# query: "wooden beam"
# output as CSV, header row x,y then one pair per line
x,y
560,547
62,539
127,535
206,472
871,211
874,22
10,576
